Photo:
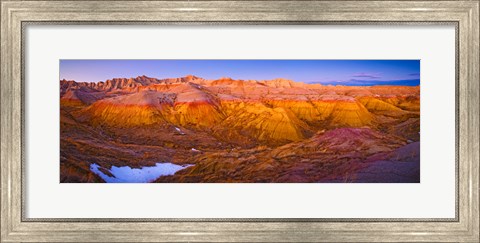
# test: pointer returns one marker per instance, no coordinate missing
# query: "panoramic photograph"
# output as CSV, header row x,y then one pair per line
x,y
239,121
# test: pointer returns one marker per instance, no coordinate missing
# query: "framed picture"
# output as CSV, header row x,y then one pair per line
x,y
279,121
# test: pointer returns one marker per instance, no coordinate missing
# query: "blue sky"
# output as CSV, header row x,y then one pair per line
x,y
345,72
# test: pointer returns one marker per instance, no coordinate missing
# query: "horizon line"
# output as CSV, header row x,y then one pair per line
x,y
352,82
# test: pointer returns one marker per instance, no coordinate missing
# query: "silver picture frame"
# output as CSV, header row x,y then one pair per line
x,y
16,16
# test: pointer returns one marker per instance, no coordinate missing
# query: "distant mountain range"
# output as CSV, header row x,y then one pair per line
x,y
354,82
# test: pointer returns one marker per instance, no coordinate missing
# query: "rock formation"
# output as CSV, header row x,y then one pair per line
x,y
233,130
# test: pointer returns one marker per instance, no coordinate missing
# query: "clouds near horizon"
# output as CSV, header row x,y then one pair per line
x,y
308,71
366,75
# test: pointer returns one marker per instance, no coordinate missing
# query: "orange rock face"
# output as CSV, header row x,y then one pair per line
x,y
232,130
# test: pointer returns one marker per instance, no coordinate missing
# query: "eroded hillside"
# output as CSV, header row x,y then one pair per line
x,y
234,130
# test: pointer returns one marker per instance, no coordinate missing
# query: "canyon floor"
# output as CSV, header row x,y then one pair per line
x,y
240,131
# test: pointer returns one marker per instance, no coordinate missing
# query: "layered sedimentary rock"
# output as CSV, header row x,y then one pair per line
x,y
233,130
334,154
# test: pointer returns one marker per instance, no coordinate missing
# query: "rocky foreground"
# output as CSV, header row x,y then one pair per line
x,y
241,130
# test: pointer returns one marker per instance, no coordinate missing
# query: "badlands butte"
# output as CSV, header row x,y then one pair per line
x,y
241,130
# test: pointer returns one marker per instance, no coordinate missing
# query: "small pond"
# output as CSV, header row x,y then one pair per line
x,y
126,174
